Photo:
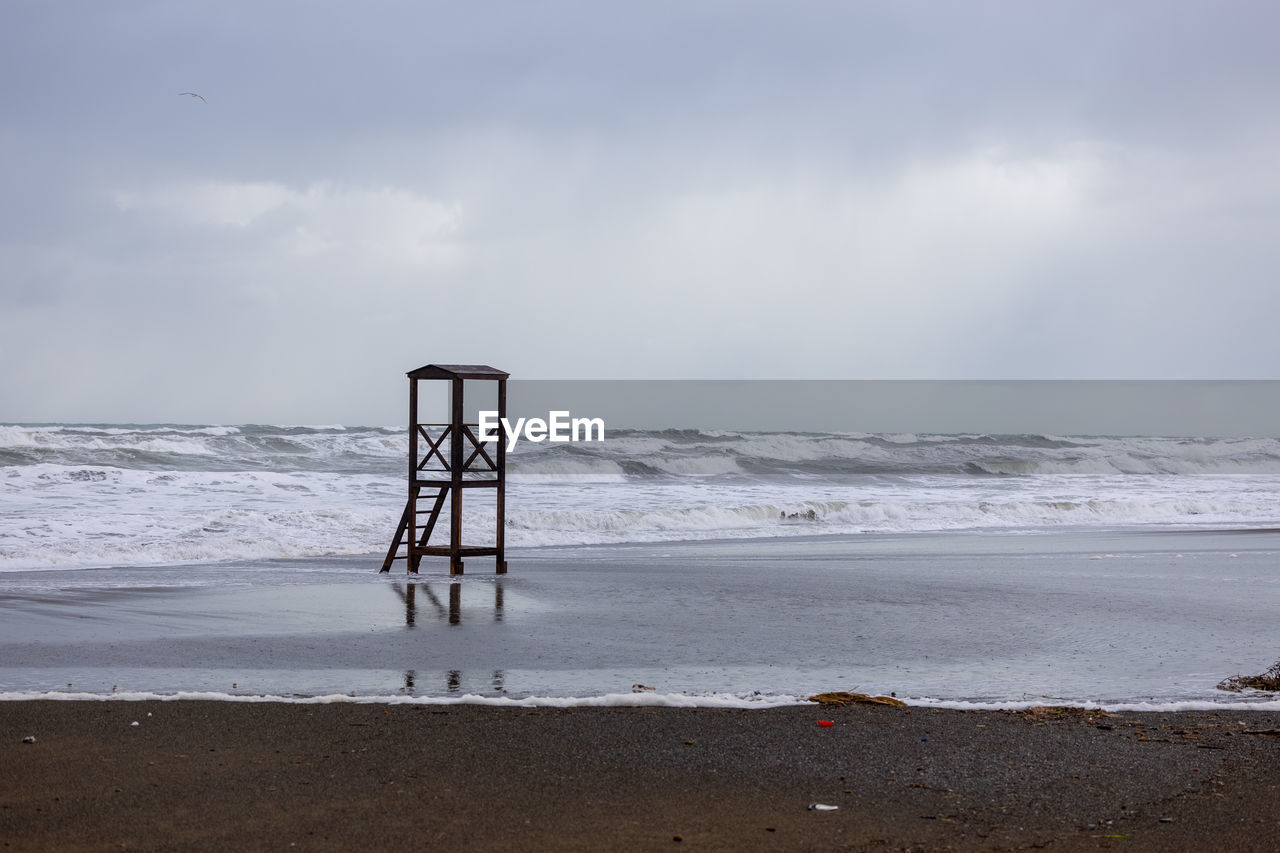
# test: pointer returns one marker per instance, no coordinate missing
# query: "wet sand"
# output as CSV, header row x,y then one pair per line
x,y
224,775
1069,617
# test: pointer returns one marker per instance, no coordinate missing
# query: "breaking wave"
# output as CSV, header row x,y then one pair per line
x,y
121,494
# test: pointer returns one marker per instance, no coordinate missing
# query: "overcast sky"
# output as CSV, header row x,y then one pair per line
x,y
680,189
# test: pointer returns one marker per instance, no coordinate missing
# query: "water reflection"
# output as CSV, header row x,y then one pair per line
x,y
452,615
408,594
453,682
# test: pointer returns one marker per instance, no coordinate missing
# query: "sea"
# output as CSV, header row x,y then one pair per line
x,y
708,567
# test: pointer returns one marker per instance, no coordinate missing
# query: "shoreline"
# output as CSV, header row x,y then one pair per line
x,y
434,568
217,775
1248,701
1082,618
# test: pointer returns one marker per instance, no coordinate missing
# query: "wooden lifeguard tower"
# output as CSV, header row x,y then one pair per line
x,y
433,478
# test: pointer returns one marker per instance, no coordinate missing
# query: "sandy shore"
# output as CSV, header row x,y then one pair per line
x,y
223,775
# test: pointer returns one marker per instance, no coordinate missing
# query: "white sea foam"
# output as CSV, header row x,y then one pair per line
x,y
746,701
70,516
565,471
609,700
89,439
1154,706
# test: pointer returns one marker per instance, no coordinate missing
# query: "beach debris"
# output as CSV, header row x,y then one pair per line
x,y
842,697
821,807
642,688
1043,713
1269,680
677,838
29,739
134,723
807,515
826,723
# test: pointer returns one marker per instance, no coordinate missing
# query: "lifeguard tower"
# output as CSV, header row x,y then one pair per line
x,y
435,477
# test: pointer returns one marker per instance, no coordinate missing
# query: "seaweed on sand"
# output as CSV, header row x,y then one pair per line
x,y
1269,680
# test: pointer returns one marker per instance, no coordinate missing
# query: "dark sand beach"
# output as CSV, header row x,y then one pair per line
x,y
197,775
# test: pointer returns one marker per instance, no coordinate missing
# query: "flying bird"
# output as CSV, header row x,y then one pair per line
x,y
194,95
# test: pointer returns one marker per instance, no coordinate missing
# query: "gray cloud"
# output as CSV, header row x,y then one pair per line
x,y
816,190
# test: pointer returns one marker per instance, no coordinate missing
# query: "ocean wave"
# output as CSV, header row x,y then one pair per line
x,y
559,470
55,516
245,447
105,517
102,494
810,517
648,454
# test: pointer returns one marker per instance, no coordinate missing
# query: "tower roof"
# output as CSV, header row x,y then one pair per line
x,y
458,371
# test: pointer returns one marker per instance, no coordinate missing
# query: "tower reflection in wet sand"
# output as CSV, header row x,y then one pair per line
x,y
451,615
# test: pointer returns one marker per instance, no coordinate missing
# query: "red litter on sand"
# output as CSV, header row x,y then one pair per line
x,y
826,723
